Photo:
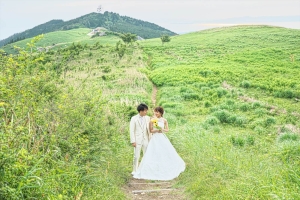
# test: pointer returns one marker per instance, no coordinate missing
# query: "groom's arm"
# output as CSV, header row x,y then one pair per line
x,y
132,131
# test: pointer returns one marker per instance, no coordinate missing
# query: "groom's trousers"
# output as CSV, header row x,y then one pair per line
x,y
137,154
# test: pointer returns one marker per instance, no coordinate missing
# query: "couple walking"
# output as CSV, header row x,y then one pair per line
x,y
160,160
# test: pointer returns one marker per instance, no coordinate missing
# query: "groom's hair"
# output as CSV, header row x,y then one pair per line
x,y
142,107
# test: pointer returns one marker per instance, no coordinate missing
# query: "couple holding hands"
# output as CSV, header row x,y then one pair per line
x,y
160,160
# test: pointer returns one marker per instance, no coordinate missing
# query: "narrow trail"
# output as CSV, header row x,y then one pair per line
x,y
153,97
147,189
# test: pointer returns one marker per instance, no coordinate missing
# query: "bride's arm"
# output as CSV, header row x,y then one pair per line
x,y
166,129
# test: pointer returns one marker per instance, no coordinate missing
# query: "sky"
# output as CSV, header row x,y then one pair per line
x,y
180,16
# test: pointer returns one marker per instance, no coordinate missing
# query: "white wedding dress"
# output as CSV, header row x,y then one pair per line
x,y
161,161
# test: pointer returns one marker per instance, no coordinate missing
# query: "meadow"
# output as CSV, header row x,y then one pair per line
x,y
62,39
231,97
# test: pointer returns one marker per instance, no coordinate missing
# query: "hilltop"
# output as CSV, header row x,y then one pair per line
x,y
109,20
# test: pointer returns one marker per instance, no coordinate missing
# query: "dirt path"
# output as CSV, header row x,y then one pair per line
x,y
146,189
153,97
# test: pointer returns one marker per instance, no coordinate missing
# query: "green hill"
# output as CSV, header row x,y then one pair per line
x,y
109,20
61,39
231,97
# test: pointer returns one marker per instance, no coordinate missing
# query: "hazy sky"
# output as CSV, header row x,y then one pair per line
x,y
180,16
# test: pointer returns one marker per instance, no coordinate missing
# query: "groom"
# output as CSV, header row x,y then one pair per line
x,y
139,133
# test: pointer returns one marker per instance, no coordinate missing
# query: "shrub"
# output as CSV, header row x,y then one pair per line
x,y
221,92
260,112
171,105
244,107
259,129
191,96
207,104
216,129
245,84
256,105
230,102
269,121
212,120
285,94
203,89
237,141
240,121
288,136
224,116
250,140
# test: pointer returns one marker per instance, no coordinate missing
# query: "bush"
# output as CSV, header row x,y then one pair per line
x,y
207,104
221,92
191,96
216,129
259,129
244,107
237,141
285,94
171,105
289,137
240,121
250,140
245,84
212,120
260,112
269,121
224,116
256,105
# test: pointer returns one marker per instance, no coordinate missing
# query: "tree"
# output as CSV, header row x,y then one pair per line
x,y
165,38
128,37
120,49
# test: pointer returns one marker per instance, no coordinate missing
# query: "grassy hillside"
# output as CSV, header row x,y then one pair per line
x,y
61,39
63,129
109,20
231,97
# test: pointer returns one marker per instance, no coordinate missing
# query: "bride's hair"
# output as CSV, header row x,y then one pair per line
x,y
159,109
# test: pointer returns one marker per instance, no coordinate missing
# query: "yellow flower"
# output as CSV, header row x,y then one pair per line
x,y
155,123
154,120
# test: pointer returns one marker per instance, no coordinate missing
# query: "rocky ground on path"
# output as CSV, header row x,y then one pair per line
x,y
146,190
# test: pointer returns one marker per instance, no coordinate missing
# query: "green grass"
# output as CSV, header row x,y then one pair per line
x,y
62,39
226,91
231,97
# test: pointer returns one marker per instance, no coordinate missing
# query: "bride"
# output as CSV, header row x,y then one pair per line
x,y
161,161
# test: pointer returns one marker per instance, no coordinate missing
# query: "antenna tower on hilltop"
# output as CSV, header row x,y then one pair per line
x,y
99,9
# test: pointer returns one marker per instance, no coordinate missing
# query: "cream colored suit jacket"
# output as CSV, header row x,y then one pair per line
x,y
136,129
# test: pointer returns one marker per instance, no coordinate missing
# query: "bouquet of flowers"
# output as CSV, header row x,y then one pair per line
x,y
155,124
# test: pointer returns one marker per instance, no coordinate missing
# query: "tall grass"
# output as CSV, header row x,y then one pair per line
x,y
228,133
